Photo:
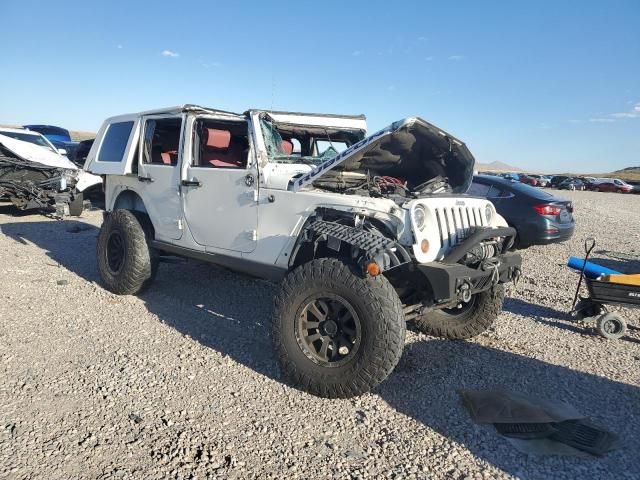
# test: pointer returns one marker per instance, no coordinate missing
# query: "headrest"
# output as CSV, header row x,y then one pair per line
x,y
287,147
215,138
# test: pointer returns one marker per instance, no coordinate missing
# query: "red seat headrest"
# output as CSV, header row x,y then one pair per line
x,y
287,147
215,138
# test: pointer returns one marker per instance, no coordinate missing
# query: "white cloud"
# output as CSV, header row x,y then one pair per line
x,y
356,53
633,113
422,39
119,46
612,117
210,64
169,53
457,58
429,58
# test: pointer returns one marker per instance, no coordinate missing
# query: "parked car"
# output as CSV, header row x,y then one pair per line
x,y
557,180
362,239
539,217
82,151
528,180
611,185
542,180
34,138
511,176
34,175
60,137
636,187
572,184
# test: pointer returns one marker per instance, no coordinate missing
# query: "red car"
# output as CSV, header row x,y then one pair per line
x,y
611,185
527,179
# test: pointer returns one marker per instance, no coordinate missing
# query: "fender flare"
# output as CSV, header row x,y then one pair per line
x,y
366,246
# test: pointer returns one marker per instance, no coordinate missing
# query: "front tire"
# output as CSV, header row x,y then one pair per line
x,y
337,334
469,320
126,262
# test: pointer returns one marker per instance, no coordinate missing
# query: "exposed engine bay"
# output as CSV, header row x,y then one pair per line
x,y
409,159
33,177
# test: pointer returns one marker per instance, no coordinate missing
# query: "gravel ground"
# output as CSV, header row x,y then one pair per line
x,y
181,382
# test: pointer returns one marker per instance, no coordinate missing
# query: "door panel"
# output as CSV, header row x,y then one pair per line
x,y
219,186
160,181
222,212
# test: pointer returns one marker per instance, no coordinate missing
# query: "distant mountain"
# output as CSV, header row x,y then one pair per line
x,y
629,170
496,167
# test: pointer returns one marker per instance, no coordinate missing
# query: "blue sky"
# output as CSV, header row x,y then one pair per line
x,y
547,86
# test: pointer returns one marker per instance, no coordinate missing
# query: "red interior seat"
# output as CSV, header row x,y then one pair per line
x,y
286,146
220,149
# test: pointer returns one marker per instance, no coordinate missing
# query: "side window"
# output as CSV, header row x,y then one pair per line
x,y
115,142
162,141
221,144
478,189
323,145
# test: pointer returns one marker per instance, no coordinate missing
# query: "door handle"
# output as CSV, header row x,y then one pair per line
x,y
191,183
145,179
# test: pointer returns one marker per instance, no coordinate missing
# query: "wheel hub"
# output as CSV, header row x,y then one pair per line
x,y
328,329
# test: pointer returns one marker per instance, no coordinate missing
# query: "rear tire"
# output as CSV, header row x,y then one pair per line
x,y
473,319
126,262
359,319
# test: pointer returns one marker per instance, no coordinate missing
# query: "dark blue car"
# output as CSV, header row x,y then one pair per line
x,y
539,217
59,136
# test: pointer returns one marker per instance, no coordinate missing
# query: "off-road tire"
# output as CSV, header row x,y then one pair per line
x,y
140,261
381,338
471,322
76,206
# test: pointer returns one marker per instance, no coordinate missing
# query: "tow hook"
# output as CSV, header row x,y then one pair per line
x,y
464,292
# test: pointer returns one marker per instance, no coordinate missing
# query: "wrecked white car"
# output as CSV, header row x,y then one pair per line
x,y
363,232
34,175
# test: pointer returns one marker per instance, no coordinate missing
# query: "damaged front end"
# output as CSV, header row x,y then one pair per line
x,y
31,177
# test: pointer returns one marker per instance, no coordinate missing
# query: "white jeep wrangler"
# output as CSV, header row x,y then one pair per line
x,y
364,232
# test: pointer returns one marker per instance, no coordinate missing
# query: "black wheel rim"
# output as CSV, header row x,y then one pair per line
x,y
328,330
116,252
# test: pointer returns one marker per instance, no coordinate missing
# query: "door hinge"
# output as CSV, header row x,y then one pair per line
x,y
254,235
180,224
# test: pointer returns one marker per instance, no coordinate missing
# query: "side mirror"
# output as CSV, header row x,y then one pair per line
x,y
62,151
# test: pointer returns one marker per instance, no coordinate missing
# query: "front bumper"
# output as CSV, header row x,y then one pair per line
x,y
450,282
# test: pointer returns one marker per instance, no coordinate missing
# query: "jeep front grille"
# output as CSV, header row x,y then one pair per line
x,y
455,223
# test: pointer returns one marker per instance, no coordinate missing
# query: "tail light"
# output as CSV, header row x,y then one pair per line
x,y
547,209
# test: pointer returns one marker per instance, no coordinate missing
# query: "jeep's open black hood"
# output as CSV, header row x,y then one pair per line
x,y
411,149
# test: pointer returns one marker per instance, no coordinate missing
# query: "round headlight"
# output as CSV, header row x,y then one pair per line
x,y
419,217
488,214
